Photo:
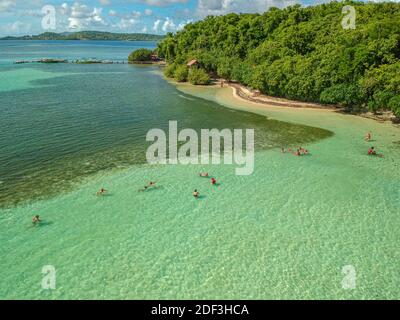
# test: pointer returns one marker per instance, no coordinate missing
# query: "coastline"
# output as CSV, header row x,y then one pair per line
x,y
324,202
242,93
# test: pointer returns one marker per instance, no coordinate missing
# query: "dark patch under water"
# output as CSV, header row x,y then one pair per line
x,y
96,118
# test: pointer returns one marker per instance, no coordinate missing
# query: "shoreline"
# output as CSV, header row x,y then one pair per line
x,y
242,93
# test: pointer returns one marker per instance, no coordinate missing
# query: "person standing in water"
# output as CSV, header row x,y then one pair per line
x,y
196,194
368,136
213,181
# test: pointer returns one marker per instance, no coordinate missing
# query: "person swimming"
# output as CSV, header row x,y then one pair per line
x,y
196,194
297,153
371,151
101,192
368,136
36,219
150,185
213,181
204,174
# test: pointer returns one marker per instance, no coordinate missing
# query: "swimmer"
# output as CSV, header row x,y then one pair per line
x,y
150,185
213,181
297,153
204,174
196,194
101,192
368,136
36,219
371,151
283,150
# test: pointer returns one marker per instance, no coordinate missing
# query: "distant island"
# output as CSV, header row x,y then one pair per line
x,y
90,35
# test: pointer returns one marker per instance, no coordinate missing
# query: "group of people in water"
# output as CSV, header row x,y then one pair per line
x,y
302,152
298,152
196,193
371,150
152,184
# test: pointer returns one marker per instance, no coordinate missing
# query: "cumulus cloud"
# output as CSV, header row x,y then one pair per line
x,y
64,9
83,17
17,27
136,14
168,25
156,25
7,5
218,7
163,3
126,23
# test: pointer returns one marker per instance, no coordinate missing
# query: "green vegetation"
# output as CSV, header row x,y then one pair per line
x,y
90,35
181,73
140,55
170,70
198,76
300,53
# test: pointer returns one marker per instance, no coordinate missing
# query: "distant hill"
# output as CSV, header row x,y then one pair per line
x,y
90,35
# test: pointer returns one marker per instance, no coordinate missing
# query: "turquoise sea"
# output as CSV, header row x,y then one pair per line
x,y
286,231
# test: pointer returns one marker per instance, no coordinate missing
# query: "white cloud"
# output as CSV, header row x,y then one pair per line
x,y
17,27
126,24
169,25
105,2
136,14
148,12
163,3
7,5
156,25
218,7
183,24
83,17
64,9
144,30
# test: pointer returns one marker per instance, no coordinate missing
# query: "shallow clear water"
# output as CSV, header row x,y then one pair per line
x,y
284,232
62,122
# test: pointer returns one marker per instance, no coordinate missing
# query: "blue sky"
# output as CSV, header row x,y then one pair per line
x,y
20,17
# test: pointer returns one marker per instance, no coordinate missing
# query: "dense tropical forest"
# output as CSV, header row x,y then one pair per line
x,y
90,35
300,53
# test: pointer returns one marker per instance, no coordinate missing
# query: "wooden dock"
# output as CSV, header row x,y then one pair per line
x,y
78,61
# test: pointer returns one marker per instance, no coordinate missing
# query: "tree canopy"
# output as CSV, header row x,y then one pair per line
x,y
301,53
140,55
